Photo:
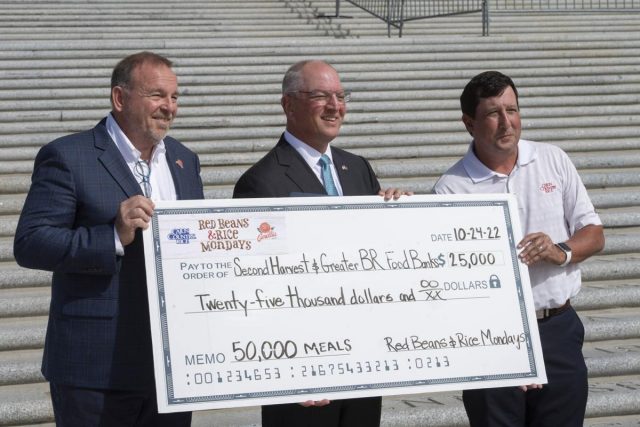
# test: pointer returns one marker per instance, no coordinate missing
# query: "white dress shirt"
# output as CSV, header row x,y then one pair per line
x,y
312,157
162,186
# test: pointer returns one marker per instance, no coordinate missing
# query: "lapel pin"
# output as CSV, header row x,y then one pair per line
x,y
345,168
179,163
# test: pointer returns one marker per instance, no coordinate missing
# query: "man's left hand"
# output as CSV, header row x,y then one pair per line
x,y
538,247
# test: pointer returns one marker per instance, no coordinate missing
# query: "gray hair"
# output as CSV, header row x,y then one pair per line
x,y
123,70
293,77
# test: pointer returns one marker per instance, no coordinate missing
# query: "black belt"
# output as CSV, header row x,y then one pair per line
x,y
550,312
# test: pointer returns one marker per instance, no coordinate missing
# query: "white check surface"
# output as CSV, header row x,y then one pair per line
x,y
262,301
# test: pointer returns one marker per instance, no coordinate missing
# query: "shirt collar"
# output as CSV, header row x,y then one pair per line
x,y
478,172
310,154
126,148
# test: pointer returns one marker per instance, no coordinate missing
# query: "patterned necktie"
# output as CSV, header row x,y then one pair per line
x,y
327,178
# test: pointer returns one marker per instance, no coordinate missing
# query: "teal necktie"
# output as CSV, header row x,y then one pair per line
x,y
327,178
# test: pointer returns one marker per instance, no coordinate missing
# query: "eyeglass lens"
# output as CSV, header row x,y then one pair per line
x,y
321,96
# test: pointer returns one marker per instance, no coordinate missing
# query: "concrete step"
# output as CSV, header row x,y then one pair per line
x,y
6,249
24,302
355,135
20,367
246,152
14,277
22,333
359,111
409,67
24,404
601,267
393,84
412,122
231,52
613,358
607,294
610,324
583,53
216,173
608,397
393,149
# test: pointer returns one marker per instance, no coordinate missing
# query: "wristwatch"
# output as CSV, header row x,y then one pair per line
x,y
567,252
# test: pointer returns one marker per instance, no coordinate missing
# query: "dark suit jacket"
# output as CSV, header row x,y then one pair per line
x,y
282,171
98,334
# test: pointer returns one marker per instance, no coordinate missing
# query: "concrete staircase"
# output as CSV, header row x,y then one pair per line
x,y
579,77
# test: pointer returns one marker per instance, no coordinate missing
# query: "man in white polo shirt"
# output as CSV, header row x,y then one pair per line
x,y
561,229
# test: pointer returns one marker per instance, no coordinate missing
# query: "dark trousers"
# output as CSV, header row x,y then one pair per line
x,y
364,412
561,402
83,407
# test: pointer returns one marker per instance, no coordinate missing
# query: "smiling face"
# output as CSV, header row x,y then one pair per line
x,y
315,122
146,108
496,130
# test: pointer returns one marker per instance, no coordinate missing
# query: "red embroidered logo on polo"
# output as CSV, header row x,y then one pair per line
x,y
548,187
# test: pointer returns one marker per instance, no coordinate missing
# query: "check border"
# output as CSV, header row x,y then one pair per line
x,y
172,400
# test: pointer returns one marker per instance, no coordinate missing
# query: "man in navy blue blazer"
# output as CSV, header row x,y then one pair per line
x,y
91,195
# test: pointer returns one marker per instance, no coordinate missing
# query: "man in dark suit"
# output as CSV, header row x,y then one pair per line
x,y
90,196
304,163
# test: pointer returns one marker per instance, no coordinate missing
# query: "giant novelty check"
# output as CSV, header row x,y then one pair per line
x,y
264,301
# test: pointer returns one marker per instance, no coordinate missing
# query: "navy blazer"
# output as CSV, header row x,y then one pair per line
x,y
283,172
98,334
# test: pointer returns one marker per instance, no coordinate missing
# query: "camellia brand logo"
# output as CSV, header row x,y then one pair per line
x,y
182,236
266,231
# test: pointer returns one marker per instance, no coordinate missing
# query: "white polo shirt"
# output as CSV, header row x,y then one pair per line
x,y
551,199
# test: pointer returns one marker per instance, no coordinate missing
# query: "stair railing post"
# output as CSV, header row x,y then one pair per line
x,y
485,17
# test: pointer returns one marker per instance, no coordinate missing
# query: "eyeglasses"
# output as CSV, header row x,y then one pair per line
x,y
322,97
143,172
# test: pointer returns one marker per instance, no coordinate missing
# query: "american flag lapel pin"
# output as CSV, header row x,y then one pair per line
x,y
179,163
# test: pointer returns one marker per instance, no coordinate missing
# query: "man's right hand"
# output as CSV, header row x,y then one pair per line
x,y
308,403
135,212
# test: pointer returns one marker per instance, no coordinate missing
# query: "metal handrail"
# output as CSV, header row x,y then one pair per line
x,y
396,12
